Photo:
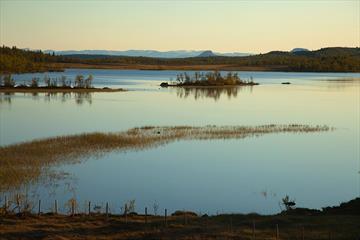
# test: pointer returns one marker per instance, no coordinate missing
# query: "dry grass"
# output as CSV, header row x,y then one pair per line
x,y
24,162
234,226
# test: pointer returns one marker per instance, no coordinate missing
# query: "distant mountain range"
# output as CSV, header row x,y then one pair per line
x,y
148,53
207,53
158,54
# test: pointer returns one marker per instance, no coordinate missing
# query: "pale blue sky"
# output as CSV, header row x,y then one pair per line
x,y
225,26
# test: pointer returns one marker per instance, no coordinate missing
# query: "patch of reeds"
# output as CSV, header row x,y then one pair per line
x,y
24,162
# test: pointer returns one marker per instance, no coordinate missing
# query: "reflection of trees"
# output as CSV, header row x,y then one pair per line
x,y
25,197
5,98
80,98
210,92
342,83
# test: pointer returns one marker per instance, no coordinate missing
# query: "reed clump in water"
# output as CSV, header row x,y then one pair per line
x,y
23,162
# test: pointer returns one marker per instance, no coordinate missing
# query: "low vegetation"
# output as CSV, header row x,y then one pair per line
x,y
55,84
79,82
308,224
209,79
24,162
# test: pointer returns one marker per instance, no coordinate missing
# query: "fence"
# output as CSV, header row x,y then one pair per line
x,y
23,207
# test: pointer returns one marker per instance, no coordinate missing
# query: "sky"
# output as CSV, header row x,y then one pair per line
x,y
221,26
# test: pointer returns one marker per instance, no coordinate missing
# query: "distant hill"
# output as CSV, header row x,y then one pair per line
x,y
207,53
15,60
143,53
300,50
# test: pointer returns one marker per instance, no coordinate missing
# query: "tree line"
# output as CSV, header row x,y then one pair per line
x,y
14,60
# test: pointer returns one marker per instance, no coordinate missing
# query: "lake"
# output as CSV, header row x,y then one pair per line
x,y
205,176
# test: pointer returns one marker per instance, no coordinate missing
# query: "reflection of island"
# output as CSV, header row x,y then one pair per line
x,y
342,83
209,85
211,92
79,97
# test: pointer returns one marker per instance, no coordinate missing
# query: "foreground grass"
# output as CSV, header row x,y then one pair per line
x,y
338,222
230,226
25,162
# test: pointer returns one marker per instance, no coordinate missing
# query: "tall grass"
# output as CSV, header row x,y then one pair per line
x,y
24,162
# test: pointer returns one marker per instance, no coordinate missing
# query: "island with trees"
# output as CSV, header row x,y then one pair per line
x,y
55,84
209,79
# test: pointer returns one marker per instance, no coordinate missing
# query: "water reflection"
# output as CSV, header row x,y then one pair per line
x,y
33,160
342,83
5,98
234,176
51,185
80,98
211,92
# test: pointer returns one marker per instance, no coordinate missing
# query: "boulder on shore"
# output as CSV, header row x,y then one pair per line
x,y
164,84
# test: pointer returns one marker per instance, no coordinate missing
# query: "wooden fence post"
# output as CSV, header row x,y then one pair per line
x,y
56,207
72,207
146,215
39,207
207,222
125,211
107,209
302,233
89,208
253,230
6,204
277,232
165,217
18,202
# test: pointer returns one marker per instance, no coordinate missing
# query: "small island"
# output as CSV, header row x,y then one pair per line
x,y
53,85
209,79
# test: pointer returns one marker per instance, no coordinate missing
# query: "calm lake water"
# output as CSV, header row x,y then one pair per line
x,y
210,176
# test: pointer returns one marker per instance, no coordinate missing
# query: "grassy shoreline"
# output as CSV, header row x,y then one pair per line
x,y
326,224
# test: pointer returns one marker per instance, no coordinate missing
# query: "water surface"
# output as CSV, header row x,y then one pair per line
x,y
212,176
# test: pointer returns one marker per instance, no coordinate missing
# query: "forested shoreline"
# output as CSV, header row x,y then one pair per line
x,y
15,60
